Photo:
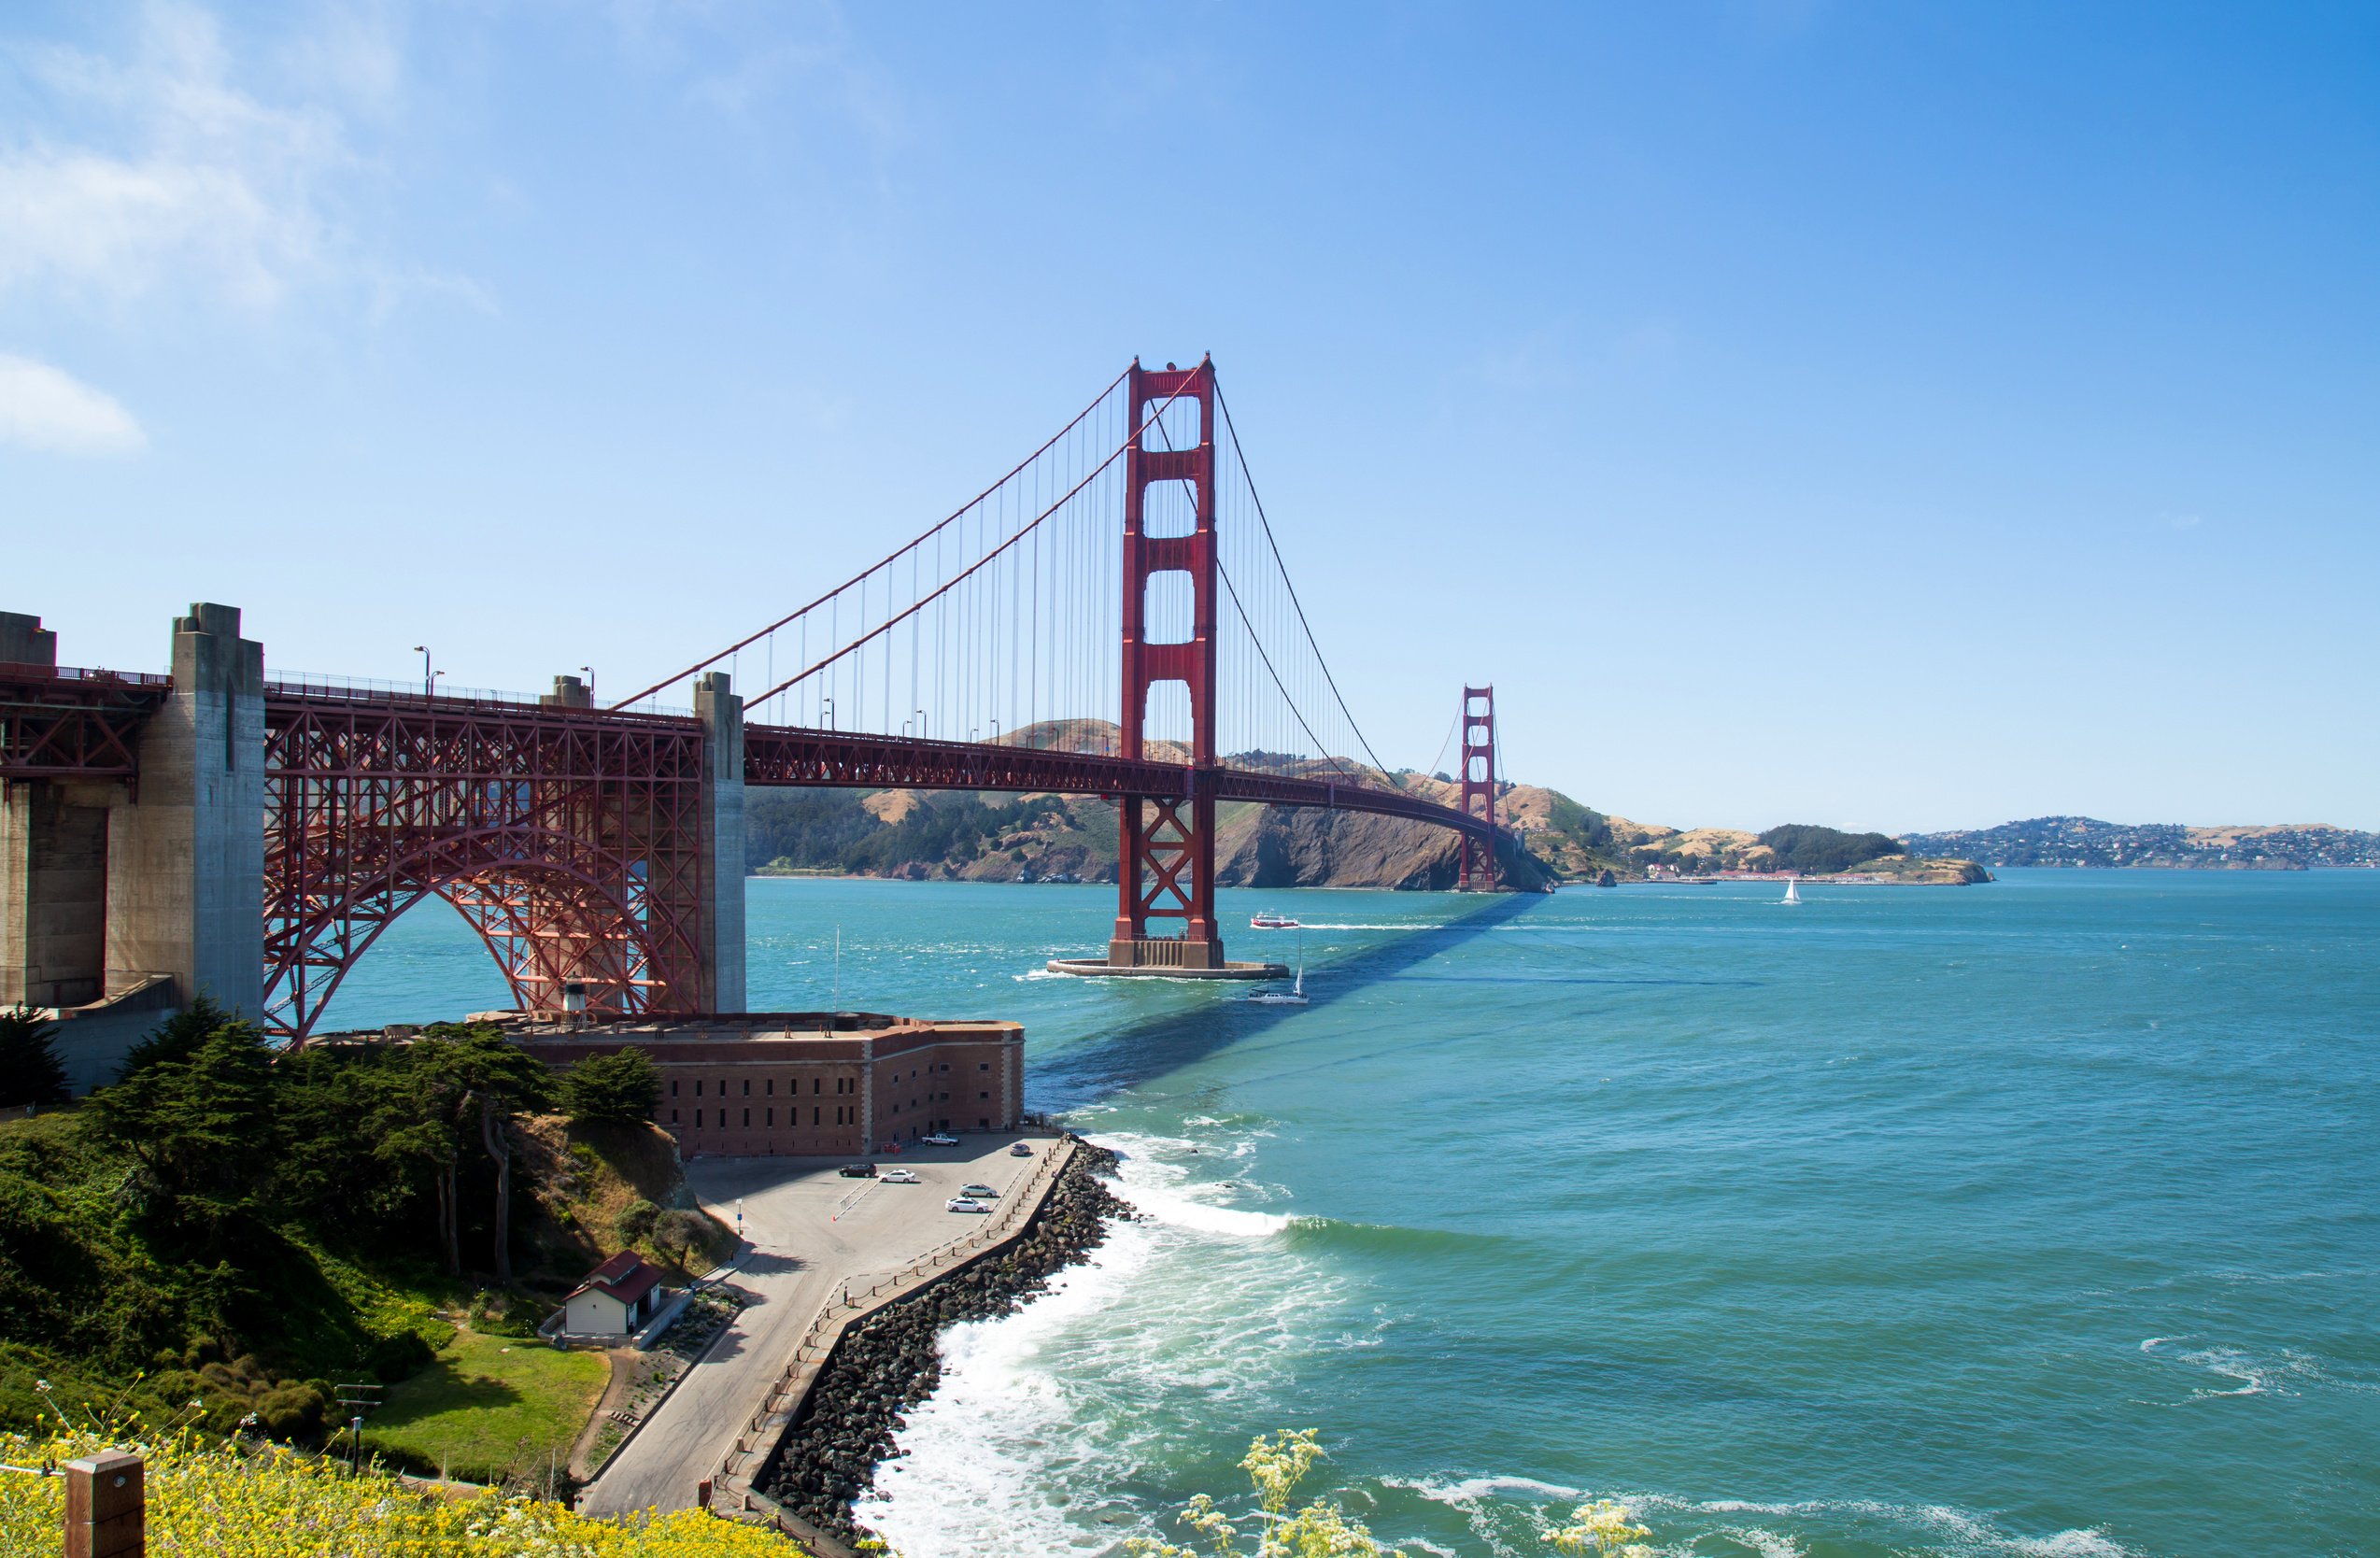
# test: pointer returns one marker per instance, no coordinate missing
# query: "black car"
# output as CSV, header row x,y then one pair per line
x,y
859,1170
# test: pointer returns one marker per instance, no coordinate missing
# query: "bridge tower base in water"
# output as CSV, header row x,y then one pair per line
x,y
1165,847
1479,872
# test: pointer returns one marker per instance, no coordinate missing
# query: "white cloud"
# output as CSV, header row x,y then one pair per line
x,y
204,185
154,173
43,408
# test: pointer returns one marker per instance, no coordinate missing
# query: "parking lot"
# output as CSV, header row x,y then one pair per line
x,y
808,1230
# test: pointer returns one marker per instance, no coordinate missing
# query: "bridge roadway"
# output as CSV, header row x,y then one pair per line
x,y
808,1229
791,754
68,722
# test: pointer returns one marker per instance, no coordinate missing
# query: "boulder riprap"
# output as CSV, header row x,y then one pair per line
x,y
888,1362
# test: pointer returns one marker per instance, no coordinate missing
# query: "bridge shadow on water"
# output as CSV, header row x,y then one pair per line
x,y
1157,1046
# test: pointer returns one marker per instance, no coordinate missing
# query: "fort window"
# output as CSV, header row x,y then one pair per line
x,y
674,1117
772,1117
747,1087
698,1087
673,1089
748,1116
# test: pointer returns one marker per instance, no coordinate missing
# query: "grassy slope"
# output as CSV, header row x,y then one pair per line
x,y
86,1304
582,1177
488,1407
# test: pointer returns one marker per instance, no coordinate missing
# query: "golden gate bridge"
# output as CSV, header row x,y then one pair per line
x,y
1113,617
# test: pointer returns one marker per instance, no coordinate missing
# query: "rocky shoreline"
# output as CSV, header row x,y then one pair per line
x,y
889,1362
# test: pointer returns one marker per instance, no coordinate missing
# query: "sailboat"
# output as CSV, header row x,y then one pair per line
x,y
1792,890
1295,994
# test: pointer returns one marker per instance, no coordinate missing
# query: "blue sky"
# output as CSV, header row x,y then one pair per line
x,y
1897,417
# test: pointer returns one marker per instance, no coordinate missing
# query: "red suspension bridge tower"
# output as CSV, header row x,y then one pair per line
x,y
1478,788
1166,851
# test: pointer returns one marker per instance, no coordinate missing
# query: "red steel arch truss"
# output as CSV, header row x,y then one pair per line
x,y
570,840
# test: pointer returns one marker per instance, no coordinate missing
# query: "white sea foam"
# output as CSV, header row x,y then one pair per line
x,y
985,1455
1185,1211
1954,1532
2249,1373
1043,1411
1472,1490
1151,1177
1408,924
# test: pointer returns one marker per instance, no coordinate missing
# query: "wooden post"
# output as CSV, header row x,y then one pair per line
x,y
107,1507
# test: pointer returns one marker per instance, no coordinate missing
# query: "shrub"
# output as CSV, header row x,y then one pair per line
x,y
636,1222
1276,1463
231,1500
684,1234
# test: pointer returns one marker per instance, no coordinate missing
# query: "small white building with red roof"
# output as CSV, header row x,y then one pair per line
x,y
616,1298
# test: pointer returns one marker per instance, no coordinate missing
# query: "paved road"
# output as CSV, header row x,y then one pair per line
x,y
808,1229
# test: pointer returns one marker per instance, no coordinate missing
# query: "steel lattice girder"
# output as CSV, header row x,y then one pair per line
x,y
570,840
67,723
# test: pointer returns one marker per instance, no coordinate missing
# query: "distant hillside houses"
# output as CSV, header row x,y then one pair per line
x,y
2087,842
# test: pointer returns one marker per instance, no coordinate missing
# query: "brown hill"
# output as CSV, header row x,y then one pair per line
x,y
923,835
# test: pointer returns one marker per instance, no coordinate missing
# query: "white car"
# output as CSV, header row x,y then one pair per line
x,y
966,1203
900,1176
939,1140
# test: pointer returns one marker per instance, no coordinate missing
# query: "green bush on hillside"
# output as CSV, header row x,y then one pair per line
x,y
634,1224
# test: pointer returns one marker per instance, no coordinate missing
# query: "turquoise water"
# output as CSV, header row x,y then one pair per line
x,y
2033,1218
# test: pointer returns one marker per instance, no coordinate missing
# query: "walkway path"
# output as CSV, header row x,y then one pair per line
x,y
809,1230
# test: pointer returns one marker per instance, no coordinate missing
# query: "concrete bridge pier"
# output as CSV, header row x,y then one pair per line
x,y
186,859
123,901
722,949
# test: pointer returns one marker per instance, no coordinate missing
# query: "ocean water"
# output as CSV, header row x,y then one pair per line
x,y
2034,1218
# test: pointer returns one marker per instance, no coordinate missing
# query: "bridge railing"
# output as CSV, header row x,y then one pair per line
x,y
304,683
22,671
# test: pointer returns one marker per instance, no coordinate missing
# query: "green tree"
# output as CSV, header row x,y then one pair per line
x,y
177,1038
1817,851
616,1089
483,1074
30,1069
201,1127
